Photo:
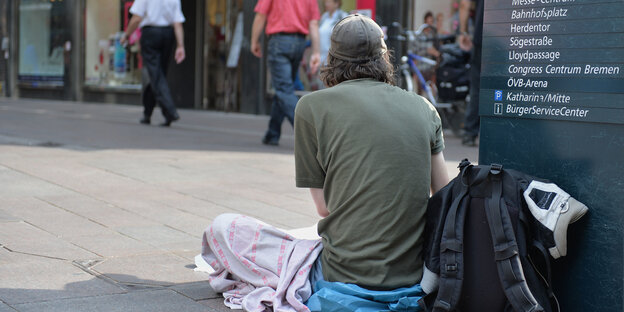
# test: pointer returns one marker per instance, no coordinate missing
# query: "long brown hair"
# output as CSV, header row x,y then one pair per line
x,y
337,70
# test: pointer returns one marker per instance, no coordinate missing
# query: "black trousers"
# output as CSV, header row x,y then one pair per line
x,y
472,121
156,49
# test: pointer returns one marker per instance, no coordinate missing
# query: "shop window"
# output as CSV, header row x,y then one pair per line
x,y
107,63
43,31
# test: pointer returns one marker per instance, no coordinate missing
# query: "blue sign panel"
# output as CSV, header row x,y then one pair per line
x,y
543,59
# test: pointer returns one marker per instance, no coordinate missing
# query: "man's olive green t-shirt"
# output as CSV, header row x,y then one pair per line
x,y
368,145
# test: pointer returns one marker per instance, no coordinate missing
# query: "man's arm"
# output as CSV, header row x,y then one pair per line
x,y
464,40
319,201
439,174
134,23
315,58
464,10
180,53
256,31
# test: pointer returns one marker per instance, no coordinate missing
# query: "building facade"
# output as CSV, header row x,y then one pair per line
x,y
69,50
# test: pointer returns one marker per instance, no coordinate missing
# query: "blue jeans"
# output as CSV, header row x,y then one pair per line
x,y
316,273
285,52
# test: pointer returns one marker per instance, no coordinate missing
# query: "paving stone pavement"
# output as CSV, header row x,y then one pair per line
x,y
100,213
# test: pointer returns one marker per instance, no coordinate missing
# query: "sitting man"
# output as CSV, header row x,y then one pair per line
x,y
370,153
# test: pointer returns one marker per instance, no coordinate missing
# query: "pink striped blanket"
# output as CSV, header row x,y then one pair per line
x,y
258,267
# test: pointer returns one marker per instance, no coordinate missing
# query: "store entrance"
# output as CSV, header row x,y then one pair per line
x,y
223,42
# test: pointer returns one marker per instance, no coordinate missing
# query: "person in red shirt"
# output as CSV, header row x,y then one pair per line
x,y
288,22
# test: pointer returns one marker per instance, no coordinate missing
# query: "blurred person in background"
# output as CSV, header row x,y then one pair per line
x,y
428,18
431,33
472,122
287,22
440,24
161,26
333,14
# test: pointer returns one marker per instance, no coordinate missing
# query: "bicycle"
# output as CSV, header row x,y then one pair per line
x,y
451,106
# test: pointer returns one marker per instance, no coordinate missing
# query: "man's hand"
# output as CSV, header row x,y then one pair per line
x,y
315,57
315,62
180,55
123,39
134,23
256,31
465,43
256,49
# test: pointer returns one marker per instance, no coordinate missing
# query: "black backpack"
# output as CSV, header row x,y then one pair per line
x,y
484,248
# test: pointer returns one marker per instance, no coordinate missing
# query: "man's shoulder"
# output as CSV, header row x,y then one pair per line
x,y
355,87
310,99
321,96
359,90
321,101
388,90
306,102
409,95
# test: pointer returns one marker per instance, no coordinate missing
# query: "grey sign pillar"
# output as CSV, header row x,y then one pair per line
x,y
552,105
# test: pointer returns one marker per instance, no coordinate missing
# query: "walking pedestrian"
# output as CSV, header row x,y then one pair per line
x,y
288,22
161,26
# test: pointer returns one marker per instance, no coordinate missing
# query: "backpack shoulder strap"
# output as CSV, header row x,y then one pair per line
x,y
451,244
451,264
545,258
506,248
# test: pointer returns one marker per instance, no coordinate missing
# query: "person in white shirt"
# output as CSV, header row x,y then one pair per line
x,y
332,15
161,23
